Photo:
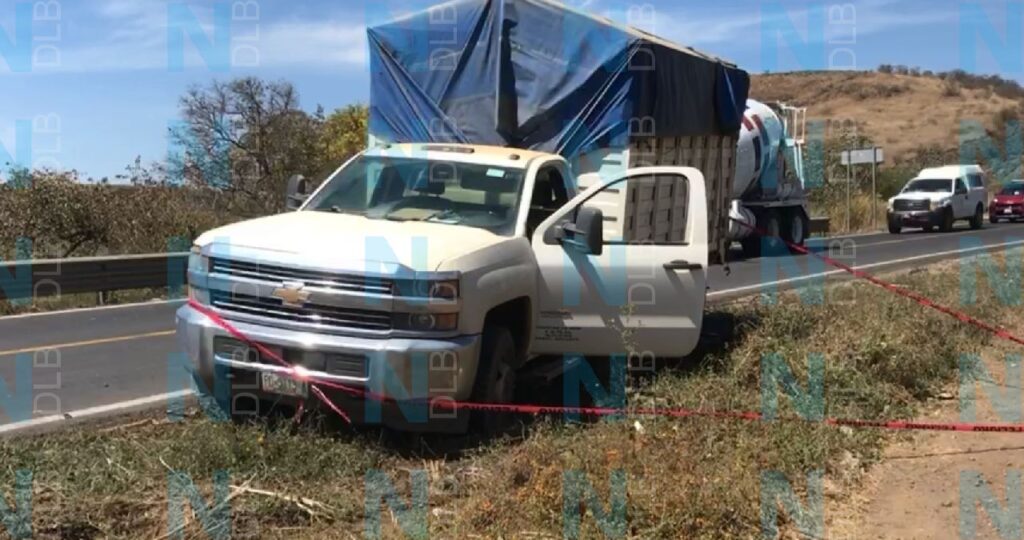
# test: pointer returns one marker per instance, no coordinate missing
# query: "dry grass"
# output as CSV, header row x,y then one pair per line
x,y
860,207
904,114
684,478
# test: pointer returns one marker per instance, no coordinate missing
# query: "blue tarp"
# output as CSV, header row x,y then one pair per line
x,y
538,75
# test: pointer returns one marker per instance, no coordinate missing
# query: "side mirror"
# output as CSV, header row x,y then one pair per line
x,y
587,233
298,190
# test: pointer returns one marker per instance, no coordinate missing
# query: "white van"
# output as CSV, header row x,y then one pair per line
x,y
938,197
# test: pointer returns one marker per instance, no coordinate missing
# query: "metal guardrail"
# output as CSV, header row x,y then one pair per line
x,y
23,280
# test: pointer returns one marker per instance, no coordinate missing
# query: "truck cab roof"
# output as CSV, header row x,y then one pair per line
x,y
949,171
511,158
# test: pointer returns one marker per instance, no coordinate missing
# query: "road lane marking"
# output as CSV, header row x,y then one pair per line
x,y
86,343
748,288
91,411
924,236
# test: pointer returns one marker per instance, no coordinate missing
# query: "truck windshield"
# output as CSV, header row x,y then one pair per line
x,y
1015,188
408,189
929,186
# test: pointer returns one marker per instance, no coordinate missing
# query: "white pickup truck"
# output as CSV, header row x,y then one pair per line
x,y
938,197
434,270
437,271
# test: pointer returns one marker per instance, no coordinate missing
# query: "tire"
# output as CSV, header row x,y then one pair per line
x,y
993,220
751,246
894,226
495,381
773,233
947,220
978,219
795,229
928,228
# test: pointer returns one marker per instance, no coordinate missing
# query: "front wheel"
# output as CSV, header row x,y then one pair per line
x,y
495,381
894,226
978,219
947,220
993,220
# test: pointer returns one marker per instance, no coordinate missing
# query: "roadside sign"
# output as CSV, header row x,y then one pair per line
x,y
862,157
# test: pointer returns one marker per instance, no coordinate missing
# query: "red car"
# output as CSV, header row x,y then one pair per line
x,y
1008,203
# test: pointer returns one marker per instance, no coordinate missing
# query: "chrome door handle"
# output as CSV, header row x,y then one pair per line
x,y
683,265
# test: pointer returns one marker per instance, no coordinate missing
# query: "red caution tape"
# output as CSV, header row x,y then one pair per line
x,y
902,291
586,411
362,393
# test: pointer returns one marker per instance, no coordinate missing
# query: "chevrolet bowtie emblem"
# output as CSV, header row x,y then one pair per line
x,y
291,294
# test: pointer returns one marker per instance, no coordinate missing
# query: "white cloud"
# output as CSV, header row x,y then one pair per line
x,y
132,35
702,27
325,43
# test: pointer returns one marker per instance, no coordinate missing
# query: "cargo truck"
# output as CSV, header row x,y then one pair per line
x,y
540,183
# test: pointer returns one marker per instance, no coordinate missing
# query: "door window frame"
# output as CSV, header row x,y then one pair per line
x,y
549,233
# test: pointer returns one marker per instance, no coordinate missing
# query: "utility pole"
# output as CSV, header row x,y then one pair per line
x,y
849,180
874,186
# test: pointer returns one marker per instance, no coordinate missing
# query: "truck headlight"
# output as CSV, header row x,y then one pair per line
x,y
200,296
944,202
197,262
447,289
444,290
426,322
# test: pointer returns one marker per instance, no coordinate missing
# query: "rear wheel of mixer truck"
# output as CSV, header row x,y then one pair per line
x,y
795,228
766,238
773,233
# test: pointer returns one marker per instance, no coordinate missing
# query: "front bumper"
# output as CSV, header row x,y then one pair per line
x,y
916,218
1009,211
405,370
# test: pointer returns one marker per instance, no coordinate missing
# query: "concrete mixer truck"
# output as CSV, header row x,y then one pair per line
x,y
768,190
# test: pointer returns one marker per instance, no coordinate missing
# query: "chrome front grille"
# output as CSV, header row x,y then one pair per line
x,y
909,205
280,274
312,314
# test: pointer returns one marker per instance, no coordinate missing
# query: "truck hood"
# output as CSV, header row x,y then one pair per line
x,y
345,241
1007,199
922,196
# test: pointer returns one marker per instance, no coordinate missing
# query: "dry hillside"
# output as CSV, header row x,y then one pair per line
x,y
901,113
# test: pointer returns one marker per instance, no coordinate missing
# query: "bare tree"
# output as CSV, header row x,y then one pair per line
x,y
245,137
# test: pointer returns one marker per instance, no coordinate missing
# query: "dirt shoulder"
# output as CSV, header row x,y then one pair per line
x,y
939,484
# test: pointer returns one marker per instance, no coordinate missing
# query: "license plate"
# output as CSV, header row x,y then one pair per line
x,y
1008,211
277,384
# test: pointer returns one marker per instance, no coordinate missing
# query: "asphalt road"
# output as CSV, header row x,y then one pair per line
x,y
92,362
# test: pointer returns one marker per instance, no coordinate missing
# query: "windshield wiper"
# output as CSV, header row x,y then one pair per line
x,y
435,215
339,210
449,214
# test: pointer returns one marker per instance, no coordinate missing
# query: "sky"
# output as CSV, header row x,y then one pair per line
x,y
92,84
